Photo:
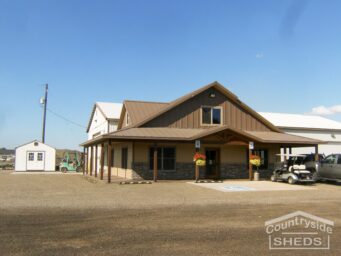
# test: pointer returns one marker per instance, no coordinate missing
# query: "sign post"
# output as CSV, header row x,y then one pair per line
x,y
197,148
198,159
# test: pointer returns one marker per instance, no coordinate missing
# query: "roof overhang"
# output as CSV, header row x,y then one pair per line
x,y
190,135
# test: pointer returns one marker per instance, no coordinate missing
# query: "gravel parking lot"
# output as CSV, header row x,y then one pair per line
x,y
77,215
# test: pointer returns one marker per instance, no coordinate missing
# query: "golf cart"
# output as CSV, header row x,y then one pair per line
x,y
293,170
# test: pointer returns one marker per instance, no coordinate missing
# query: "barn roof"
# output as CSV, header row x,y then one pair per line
x,y
108,109
284,120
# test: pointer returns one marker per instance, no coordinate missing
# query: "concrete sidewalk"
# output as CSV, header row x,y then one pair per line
x,y
247,186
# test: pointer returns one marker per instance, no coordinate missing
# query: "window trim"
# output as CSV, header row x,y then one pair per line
x,y
161,169
211,107
29,154
42,156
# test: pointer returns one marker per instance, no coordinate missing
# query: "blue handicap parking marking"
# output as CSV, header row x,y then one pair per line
x,y
237,188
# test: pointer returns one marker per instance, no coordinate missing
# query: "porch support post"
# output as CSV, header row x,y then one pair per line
x,y
290,150
155,164
102,160
285,153
109,162
96,160
316,152
91,160
250,165
84,160
196,168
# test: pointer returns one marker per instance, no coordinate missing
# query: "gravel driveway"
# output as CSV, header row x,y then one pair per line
x,y
77,215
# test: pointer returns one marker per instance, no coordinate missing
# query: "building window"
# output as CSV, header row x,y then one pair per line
x,y
112,157
30,156
40,157
263,154
124,159
211,115
165,159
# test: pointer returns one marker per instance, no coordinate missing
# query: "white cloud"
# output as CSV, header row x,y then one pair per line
x,y
326,111
259,55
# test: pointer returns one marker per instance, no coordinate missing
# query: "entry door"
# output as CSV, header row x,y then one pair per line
x,y
35,161
212,163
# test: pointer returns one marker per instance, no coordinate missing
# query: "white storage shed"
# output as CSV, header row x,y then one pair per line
x,y
35,156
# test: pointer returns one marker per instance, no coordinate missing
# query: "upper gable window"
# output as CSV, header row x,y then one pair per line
x,y
211,115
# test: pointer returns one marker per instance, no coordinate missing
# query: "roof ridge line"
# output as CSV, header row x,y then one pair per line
x,y
145,101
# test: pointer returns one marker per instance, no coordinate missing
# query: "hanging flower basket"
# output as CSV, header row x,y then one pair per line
x,y
199,159
255,160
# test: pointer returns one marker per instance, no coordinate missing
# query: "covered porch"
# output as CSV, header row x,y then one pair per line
x,y
167,153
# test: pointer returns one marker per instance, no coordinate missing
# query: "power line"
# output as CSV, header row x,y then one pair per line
x,y
65,119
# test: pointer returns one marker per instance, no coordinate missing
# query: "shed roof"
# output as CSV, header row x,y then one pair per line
x,y
33,142
284,120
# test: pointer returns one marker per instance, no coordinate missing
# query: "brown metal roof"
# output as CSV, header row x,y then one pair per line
x,y
158,132
178,134
139,110
275,137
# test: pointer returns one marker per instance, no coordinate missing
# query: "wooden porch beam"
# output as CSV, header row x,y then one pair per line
x,y
316,152
102,160
197,173
250,165
155,164
91,160
96,159
84,159
109,162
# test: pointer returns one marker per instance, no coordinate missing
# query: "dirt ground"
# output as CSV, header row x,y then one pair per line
x,y
76,215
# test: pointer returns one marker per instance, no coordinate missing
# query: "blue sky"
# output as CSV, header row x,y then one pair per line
x,y
277,56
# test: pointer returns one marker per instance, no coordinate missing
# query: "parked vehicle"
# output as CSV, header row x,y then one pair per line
x,y
293,171
310,162
330,168
71,162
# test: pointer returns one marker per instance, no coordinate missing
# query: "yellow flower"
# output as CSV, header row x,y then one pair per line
x,y
255,162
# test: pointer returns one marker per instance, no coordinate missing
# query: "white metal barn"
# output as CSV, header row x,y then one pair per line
x,y
309,126
104,119
35,156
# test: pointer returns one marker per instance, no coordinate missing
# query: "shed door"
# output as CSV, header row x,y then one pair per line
x,y
35,160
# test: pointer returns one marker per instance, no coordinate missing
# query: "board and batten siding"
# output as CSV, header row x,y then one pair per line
x,y
188,114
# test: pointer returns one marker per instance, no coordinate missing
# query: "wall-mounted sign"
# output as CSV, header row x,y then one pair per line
x,y
197,144
251,145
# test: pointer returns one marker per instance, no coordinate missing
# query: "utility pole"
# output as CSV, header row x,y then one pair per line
x,y
44,101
